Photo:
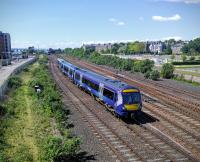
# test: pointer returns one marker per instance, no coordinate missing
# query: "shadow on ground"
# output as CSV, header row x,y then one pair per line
x,y
142,118
80,157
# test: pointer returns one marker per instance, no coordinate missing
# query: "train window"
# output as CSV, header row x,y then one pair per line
x,y
91,84
108,93
84,80
77,76
66,68
115,98
70,72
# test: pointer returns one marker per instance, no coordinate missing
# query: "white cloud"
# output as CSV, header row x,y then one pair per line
x,y
116,22
163,18
38,44
172,37
184,1
107,41
112,20
120,23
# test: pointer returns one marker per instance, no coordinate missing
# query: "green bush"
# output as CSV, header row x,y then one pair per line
x,y
154,75
167,70
192,58
196,62
147,74
14,82
146,65
143,66
26,69
55,147
183,57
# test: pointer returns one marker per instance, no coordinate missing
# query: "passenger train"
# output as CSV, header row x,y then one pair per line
x,y
122,99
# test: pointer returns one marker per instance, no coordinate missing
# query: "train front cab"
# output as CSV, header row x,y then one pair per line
x,y
129,103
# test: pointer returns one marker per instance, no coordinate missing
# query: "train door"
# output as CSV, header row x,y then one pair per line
x,y
81,76
101,87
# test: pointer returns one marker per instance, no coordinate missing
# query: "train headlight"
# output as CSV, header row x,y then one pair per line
x,y
123,108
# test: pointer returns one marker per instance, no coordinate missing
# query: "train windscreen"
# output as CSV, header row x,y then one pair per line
x,y
131,98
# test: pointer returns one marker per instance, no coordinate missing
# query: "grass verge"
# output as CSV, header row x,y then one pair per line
x,y
33,126
183,80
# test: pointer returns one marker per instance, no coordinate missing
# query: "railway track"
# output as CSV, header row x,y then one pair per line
x,y
170,99
152,90
164,87
186,93
183,134
143,149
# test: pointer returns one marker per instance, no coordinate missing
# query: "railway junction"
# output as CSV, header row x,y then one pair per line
x,y
168,128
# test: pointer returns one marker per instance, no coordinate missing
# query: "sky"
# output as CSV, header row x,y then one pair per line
x,y
70,23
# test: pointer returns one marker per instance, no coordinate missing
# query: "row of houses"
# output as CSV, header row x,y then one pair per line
x,y
5,49
159,46
98,47
150,47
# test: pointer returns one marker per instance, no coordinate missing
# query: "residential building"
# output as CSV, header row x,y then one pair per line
x,y
103,47
89,46
156,47
176,48
98,47
5,49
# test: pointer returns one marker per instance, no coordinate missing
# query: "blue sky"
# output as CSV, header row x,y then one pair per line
x,y
70,23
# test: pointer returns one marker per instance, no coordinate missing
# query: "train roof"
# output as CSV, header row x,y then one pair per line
x,y
107,81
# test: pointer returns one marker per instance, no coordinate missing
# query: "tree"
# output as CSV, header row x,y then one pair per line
x,y
192,58
154,75
172,56
136,47
168,50
171,41
114,48
183,57
167,70
31,50
192,47
68,50
143,66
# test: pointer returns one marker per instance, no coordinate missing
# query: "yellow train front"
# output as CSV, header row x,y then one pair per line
x,y
129,102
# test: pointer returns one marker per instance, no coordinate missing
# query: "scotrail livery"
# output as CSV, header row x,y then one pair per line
x,y
124,100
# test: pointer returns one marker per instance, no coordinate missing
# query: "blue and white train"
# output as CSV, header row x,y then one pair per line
x,y
124,100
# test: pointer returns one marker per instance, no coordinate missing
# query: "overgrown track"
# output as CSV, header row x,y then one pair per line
x,y
144,143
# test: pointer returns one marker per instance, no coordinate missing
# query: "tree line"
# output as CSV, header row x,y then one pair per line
x,y
142,66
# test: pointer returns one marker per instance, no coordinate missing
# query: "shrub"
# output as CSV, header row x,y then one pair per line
x,y
183,57
196,62
14,82
26,69
154,75
167,70
146,65
136,66
55,147
192,58
147,74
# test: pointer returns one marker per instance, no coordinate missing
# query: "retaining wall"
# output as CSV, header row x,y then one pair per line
x,y
3,87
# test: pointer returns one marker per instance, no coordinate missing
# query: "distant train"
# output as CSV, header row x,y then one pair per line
x,y
122,99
